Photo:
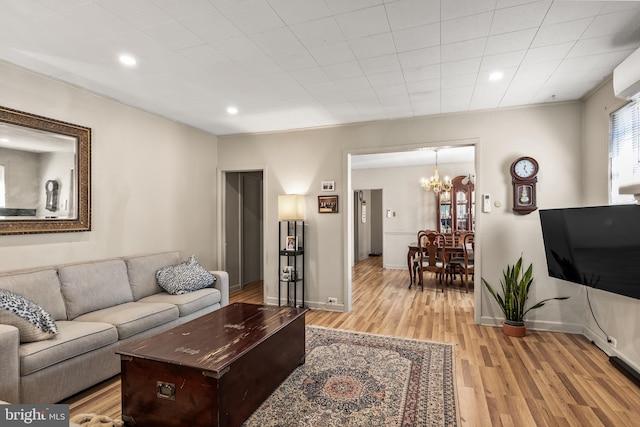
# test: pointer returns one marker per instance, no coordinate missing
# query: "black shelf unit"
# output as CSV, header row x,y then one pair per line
x,y
293,258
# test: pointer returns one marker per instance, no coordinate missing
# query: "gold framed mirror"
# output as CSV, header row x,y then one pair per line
x,y
45,174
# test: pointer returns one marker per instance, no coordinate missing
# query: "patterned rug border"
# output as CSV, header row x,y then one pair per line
x,y
314,381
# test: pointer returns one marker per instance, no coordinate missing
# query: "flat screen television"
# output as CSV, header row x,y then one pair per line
x,y
594,246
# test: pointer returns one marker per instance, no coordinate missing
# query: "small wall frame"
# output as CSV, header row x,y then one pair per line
x,y
327,204
328,186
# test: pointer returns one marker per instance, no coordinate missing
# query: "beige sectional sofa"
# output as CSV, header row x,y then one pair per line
x,y
96,306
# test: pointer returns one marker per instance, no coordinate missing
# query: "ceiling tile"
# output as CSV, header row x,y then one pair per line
x,y
362,23
456,99
456,68
519,18
310,76
412,13
296,11
560,33
421,73
141,13
420,57
547,53
332,53
462,80
452,9
366,47
470,27
343,70
462,50
509,42
502,61
424,86
388,91
180,9
211,26
613,23
174,35
417,37
319,32
342,6
253,16
386,78
565,11
380,64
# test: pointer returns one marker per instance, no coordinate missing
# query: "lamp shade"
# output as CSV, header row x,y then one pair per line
x,y
291,207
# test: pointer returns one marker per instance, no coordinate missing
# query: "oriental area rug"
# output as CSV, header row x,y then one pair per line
x,y
358,379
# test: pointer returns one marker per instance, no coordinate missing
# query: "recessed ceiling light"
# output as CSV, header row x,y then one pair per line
x,y
128,60
232,110
496,75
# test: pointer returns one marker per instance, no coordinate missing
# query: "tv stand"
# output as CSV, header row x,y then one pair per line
x,y
627,370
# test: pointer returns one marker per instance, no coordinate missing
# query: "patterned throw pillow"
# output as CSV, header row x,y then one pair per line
x,y
33,321
188,276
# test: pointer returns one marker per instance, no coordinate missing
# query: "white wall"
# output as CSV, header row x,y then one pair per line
x,y
153,185
617,315
297,162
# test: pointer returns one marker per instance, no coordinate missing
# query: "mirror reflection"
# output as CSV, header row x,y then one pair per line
x,y
37,174
45,178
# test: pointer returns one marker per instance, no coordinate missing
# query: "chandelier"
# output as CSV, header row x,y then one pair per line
x,y
434,183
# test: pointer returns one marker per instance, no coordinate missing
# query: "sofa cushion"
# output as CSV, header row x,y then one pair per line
x,y
132,318
41,287
34,323
142,272
74,338
187,276
94,285
187,303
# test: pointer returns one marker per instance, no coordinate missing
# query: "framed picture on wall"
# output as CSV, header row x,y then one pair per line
x,y
328,186
328,204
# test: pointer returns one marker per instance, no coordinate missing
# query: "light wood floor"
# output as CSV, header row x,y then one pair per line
x,y
543,379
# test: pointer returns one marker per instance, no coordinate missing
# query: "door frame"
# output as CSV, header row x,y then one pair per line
x,y
221,222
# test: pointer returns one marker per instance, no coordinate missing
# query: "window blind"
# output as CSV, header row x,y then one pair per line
x,y
624,151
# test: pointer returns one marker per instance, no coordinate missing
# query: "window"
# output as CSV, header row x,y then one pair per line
x,y
624,151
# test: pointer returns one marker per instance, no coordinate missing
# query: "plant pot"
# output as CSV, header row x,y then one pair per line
x,y
514,329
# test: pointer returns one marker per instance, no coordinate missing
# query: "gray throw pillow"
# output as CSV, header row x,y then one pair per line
x,y
34,323
188,276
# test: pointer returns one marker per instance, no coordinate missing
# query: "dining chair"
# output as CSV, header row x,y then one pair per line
x,y
429,249
456,262
469,247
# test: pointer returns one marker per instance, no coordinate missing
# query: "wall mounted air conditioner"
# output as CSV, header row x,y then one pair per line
x,y
626,77
631,189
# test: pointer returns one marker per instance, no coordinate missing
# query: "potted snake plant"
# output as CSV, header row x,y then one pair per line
x,y
515,283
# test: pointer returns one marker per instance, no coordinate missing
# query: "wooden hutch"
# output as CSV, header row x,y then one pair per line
x,y
455,207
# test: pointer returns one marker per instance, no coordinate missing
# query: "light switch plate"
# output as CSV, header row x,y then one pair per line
x,y
486,203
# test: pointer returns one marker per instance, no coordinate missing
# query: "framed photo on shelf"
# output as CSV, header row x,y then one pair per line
x,y
328,204
292,243
328,186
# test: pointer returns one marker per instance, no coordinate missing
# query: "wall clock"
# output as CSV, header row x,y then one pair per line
x,y
524,176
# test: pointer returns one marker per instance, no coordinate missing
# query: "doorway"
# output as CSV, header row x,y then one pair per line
x,y
367,224
243,228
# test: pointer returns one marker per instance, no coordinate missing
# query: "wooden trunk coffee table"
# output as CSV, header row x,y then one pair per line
x,y
212,371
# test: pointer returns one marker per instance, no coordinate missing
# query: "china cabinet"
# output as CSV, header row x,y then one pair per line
x,y
455,207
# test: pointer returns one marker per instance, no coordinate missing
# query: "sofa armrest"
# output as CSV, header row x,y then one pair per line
x,y
10,366
222,284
